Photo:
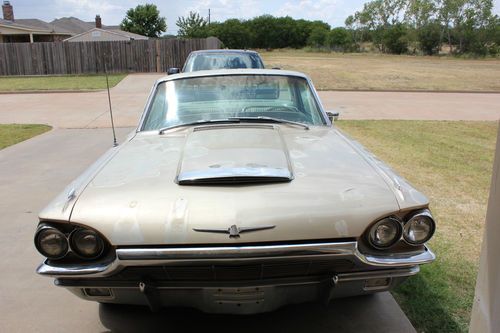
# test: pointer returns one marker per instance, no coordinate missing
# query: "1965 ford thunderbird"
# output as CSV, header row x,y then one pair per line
x,y
236,194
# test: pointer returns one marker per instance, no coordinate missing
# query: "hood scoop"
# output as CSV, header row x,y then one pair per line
x,y
234,154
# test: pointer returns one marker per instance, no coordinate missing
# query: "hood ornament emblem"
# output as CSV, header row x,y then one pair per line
x,y
234,231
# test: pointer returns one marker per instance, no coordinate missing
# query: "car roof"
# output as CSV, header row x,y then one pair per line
x,y
223,51
229,72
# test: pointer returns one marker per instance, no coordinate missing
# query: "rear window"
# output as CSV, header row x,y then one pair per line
x,y
209,61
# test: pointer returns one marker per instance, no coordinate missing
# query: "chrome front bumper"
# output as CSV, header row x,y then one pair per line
x,y
368,274
243,298
234,254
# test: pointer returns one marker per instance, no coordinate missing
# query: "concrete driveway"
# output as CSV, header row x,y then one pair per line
x,y
80,109
34,171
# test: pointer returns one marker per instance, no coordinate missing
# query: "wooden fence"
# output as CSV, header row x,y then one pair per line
x,y
154,55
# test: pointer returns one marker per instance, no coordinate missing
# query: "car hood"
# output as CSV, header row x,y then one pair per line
x,y
328,188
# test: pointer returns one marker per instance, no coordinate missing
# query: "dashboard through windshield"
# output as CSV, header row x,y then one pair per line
x,y
189,100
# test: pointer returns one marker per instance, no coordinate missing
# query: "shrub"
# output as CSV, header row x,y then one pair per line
x,y
429,37
339,39
394,39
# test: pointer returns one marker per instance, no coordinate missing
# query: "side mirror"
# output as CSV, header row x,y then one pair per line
x,y
173,70
332,115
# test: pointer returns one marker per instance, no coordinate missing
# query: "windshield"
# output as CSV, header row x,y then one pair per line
x,y
208,61
189,100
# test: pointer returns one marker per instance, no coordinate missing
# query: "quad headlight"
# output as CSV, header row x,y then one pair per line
x,y
86,243
419,228
57,242
385,233
51,242
415,229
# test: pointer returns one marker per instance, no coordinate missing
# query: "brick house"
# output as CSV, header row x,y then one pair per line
x,y
27,30
69,29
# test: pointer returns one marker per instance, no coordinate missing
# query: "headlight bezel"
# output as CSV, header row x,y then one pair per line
x,y
77,251
422,213
399,230
72,253
401,243
47,228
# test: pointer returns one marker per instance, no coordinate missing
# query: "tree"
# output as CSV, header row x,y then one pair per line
x,y
468,26
233,33
339,39
192,26
144,20
420,12
265,30
378,16
429,38
317,37
394,39
472,33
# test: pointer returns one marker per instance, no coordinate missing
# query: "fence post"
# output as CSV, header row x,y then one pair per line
x,y
158,58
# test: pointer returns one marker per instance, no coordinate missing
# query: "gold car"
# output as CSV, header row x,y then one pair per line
x,y
236,194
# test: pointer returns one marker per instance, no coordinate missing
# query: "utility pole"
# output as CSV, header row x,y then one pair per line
x,y
208,16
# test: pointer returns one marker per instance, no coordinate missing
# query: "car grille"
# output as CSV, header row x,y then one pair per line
x,y
237,272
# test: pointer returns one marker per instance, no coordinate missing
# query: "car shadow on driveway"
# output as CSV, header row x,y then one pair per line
x,y
371,313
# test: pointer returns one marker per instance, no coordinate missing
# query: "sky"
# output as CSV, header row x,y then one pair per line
x,y
112,12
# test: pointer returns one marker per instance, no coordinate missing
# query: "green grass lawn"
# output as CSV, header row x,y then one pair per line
x,y
10,134
451,162
64,82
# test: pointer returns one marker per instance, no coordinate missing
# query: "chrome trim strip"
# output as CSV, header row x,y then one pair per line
x,y
234,230
345,277
97,270
214,174
236,252
339,278
202,255
400,259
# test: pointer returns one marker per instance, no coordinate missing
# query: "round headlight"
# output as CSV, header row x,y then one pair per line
x,y
385,232
419,229
86,243
51,243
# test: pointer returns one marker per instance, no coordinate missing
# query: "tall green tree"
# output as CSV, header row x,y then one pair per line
x,y
339,39
318,37
395,38
429,37
420,12
378,16
234,33
144,20
468,26
266,31
192,26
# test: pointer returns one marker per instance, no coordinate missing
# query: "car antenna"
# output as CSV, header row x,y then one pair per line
x,y
115,143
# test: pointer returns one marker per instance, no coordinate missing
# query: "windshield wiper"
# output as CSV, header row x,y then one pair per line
x,y
270,119
199,122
